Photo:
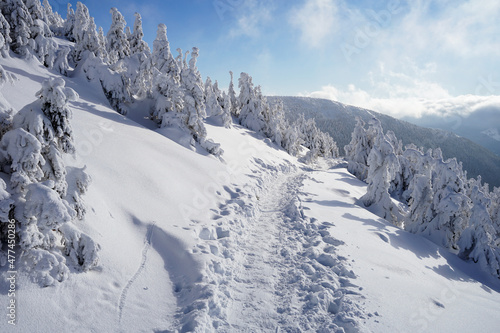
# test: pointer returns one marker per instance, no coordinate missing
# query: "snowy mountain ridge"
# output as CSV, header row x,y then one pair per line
x,y
338,120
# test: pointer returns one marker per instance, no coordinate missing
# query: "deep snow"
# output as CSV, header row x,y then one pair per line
x,y
253,242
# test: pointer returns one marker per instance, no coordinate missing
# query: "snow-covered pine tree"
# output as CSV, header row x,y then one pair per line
x,y
235,106
117,46
250,114
168,93
6,110
328,146
227,119
35,9
291,139
54,20
69,23
382,167
78,183
32,154
162,57
357,151
214,109
54,97
477,241
21,157
169,101
137,44
101,52
139,62
420,194
397,186
20,22
43,47
48,120
194,107
451,205
61,62
84,32
5,39
276,126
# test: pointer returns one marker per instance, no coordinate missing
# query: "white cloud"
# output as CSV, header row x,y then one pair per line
x,y
401,95
315,20
465,28
253,16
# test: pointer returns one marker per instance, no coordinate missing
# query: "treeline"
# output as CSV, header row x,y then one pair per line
x,y
442,203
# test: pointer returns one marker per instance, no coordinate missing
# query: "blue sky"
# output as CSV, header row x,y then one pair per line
x,y
404,58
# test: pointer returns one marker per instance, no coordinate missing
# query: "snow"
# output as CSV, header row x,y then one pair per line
x,y
253,241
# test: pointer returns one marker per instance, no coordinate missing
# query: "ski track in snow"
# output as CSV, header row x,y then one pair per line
x,y
274,269
123,295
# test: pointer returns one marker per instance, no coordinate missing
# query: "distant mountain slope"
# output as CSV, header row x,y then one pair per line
x,y
339,119
482,126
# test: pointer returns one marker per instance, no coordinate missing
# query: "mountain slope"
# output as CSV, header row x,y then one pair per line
x,y
338,120
482,126
255,241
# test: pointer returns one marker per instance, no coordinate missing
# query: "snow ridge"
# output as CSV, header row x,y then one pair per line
x,y
123,295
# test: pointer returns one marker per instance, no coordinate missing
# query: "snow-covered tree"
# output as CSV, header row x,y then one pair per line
x,y
357,151
54,20
115,83
291,139
47,119
162,57
84,32
54,98
227,120
169,101
383,165
35,9
420,194
69,23
21,157
194,107
451,205
477,241
80,181
43,47
5,207
250,114
61,62
117,45
31,153
276,124
20,22
5,39
214,109
235,106
102,53
137,44
6,110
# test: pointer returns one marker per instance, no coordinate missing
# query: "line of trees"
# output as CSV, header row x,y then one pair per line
x,y
442,203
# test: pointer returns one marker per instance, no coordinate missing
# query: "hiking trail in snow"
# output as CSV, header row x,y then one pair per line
x,y
276,270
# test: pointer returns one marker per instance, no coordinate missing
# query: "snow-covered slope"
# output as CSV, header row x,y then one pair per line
x,y
254,242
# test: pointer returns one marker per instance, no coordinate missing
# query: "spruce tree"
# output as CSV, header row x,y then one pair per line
x,y
117,46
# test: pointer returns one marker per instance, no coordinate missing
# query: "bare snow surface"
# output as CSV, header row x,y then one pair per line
x,y
255,242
